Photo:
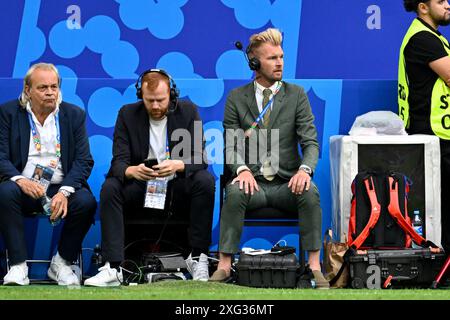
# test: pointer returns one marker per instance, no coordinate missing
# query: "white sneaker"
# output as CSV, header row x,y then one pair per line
x,y
17,275
107,277
61,271
198,269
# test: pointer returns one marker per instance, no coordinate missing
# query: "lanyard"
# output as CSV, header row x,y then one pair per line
x,y
37,137
167,146
263,112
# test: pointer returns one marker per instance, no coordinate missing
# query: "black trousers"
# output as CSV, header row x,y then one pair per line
x,y
198,190
15,205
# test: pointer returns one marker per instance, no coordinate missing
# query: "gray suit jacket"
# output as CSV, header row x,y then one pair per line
x,y
292,117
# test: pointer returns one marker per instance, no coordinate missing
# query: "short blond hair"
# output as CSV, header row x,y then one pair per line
x,y
271,35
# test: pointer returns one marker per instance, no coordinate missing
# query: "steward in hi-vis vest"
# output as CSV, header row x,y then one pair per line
x,y
440,95
424,87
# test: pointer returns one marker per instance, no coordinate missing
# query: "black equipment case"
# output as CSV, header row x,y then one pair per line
x,y
267,270
376,269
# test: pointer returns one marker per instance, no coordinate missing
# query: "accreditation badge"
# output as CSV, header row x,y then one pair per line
x,y
155,193
42,175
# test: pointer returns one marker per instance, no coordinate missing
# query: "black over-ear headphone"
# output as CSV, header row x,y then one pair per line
x,y
174,92
253,63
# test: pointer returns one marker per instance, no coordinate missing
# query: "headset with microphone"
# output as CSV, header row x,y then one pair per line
x,y
253,63
174,92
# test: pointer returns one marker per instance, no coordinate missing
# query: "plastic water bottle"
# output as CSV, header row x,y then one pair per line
x,y
46,205
417,225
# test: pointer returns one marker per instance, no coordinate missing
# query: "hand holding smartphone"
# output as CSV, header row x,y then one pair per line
x,y
149,163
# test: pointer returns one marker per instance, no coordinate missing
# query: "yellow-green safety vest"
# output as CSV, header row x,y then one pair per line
x,y
440,96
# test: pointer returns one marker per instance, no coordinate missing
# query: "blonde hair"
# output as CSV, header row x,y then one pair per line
x,y
23,98
271,35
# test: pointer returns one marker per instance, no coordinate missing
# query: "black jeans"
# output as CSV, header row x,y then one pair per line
x,y
198,190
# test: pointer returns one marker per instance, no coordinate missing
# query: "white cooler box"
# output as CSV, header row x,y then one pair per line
x,y
417,156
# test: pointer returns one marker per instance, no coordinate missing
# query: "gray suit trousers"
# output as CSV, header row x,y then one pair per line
x,y
275,194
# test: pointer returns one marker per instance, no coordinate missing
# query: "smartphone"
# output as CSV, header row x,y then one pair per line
x,y
149,163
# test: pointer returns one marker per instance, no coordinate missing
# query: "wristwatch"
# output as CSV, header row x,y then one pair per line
x,y
65,193
306,169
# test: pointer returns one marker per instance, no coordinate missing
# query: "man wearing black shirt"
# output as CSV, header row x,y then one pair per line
x,y
424,94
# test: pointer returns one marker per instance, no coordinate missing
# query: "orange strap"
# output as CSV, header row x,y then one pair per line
x,y
352,221
374,214
394,211
408,240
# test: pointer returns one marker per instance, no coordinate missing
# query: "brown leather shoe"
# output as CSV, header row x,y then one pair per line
x,y
321,282
219,275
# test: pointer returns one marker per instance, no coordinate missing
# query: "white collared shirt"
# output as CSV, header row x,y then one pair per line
x,y
47,133
259,94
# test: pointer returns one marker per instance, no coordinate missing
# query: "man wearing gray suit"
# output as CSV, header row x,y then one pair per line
x,y
279,114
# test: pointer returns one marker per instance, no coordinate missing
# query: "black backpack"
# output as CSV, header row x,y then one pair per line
x,y
379,212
